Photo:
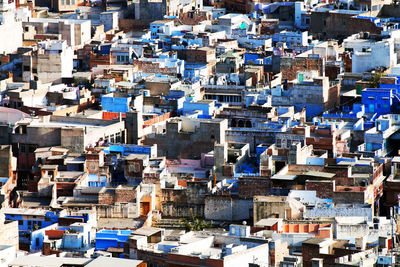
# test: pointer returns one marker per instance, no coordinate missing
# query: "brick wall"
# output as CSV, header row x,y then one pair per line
x,y
290,66
324,189
106,199
174,195
124,195
128,25
152,67
156,119
253,186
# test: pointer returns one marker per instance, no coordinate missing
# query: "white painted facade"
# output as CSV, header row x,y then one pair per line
x,y
8,24
369,54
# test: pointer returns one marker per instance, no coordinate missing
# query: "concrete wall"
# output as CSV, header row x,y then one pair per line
x,y
226,208
13,30
9,234
188,138
258,254
338,211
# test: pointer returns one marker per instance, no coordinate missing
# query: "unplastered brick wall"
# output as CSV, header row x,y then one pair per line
x,y
106,198
324,189
290,66
125,195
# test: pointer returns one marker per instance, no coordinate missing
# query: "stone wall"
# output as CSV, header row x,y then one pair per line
x,y
180,210
120,210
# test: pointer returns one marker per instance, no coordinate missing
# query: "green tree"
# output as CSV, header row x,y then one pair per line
x,y
375,79
194,223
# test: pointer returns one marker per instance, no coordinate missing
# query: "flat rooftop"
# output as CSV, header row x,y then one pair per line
x,y
35,212
49,261
107,261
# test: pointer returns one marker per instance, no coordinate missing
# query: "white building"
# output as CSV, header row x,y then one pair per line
x,y
7,255
10,28
369,52
52,61
291,38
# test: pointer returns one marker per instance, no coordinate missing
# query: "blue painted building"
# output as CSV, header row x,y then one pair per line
x,y
32,224
125,150
31,219
111,238
95,180
194,72
115,104
35,238
77,236
239,230
206,107
377,100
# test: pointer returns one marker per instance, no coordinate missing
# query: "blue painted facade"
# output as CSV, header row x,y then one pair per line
x,y
193,71
311,110
111,238
250,58
115,104
128,149
32,226
206,108
105,49
239,230
32,222
377,100
36,238
96,181
315,161
79,238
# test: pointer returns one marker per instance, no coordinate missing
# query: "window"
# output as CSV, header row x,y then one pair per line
x,y
22,148
32,148
278,142
20,222
118,137
289,143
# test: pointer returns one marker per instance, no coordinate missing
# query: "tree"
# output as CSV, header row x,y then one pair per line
x,y
375,79
194,223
